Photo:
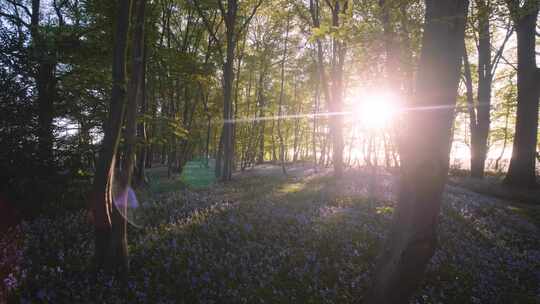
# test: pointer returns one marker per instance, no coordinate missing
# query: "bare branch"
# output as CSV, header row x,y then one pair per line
x,y
222,9
499,53
329,4
248,20
210,29
16,4
14,19
512,65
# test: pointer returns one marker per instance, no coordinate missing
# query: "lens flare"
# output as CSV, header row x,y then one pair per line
x,y
376,111
125,201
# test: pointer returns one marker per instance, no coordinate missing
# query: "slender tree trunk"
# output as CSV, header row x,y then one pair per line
x,y
297,144
505,139
262,125
323,81
141,127
110,255
314,131
324,147
273,140
412,239
135,90
391,63
521,172
281,96
336,104
471,107
479,137
219,157
228,77
134,97
45,78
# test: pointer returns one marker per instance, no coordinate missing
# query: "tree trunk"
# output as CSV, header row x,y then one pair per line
x,y
273,141
479,137
134,97
261,103
425,156
45,78
109,254
316,97
336,131
135,91
297,144
219,157
391,45
280,105
140,175
521,172
228,77
505,138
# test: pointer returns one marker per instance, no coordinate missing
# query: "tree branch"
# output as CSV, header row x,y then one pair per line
x,y
14,19
512,65
15,4
210,29
222,9
499,53
248,20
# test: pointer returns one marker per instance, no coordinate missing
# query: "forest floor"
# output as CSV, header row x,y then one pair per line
x,y
268,238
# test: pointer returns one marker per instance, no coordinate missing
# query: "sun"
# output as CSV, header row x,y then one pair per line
x,y
376,110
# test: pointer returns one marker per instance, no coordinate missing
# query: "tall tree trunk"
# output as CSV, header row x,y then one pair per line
x,y
110,255
219,157
471,107
281,95
262,125
314,8
297,144
480,133
228,76
391,45
317,97
141,127
425,156
261,143
134,96
45,78
505,138
521,172
230,16
273,140
336,99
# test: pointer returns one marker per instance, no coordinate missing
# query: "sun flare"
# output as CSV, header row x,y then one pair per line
x,y
377,110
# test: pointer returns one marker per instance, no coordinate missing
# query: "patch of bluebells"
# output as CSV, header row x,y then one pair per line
x,y
199,247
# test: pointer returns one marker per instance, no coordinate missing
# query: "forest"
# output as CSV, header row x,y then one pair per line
x,y
269,151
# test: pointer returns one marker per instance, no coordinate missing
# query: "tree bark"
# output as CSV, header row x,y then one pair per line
x,y
316,97
45,78
109,255
135,91
425,156
281,96
228,77
262,124
521,172
480,125
334,93
141,127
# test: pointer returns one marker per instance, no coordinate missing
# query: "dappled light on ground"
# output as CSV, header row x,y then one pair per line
x,y
270,238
